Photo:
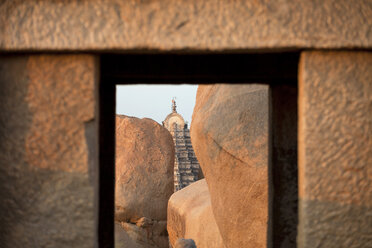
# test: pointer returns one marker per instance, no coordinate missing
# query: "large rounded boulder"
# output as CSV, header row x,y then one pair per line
x,y
229,133
144,169
190,217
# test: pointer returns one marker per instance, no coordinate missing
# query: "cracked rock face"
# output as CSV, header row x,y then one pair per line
x,y
229,133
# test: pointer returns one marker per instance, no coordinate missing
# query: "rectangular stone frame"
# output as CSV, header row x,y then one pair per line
x,y
25,78
195,27
279,70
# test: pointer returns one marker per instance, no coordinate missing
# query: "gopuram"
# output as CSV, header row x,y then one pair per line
x,y
186,165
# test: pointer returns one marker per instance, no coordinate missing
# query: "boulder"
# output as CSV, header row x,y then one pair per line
x,y
190,216
122,238
185,243
133,235
144,169
229,133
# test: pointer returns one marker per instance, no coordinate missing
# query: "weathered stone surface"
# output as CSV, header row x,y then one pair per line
x,y
144,169
185,243
179,25
151,235
229,132
190,216
335,149
47,118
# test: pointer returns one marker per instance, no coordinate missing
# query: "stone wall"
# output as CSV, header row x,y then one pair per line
x,y
48,151
335,149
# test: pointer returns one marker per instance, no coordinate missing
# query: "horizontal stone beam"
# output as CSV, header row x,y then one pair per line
x,y
196,25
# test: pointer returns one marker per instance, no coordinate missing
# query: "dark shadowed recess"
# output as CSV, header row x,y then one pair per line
x,y
106,169
279,70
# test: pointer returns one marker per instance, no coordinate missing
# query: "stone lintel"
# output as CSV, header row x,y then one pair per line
x,y
184,26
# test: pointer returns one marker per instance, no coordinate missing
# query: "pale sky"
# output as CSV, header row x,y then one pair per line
x,y
155,101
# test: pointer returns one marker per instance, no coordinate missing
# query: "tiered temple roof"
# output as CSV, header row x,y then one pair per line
x,y
186,166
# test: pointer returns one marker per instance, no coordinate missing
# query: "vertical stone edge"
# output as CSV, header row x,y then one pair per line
x,y
301,151
335,153
270,188
92,136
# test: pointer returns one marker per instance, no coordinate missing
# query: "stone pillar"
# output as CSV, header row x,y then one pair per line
x,y
48,151
335,149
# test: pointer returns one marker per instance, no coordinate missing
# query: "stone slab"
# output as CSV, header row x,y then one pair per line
x,y
335,149
47,189
196,25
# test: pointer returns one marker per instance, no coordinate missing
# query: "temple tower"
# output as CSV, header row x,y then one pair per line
x,y
186,165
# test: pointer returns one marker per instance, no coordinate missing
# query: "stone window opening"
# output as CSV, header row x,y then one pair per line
x,y
277,70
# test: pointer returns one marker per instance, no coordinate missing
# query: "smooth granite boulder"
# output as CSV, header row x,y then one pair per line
x,y
144,169
229,133
190,216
